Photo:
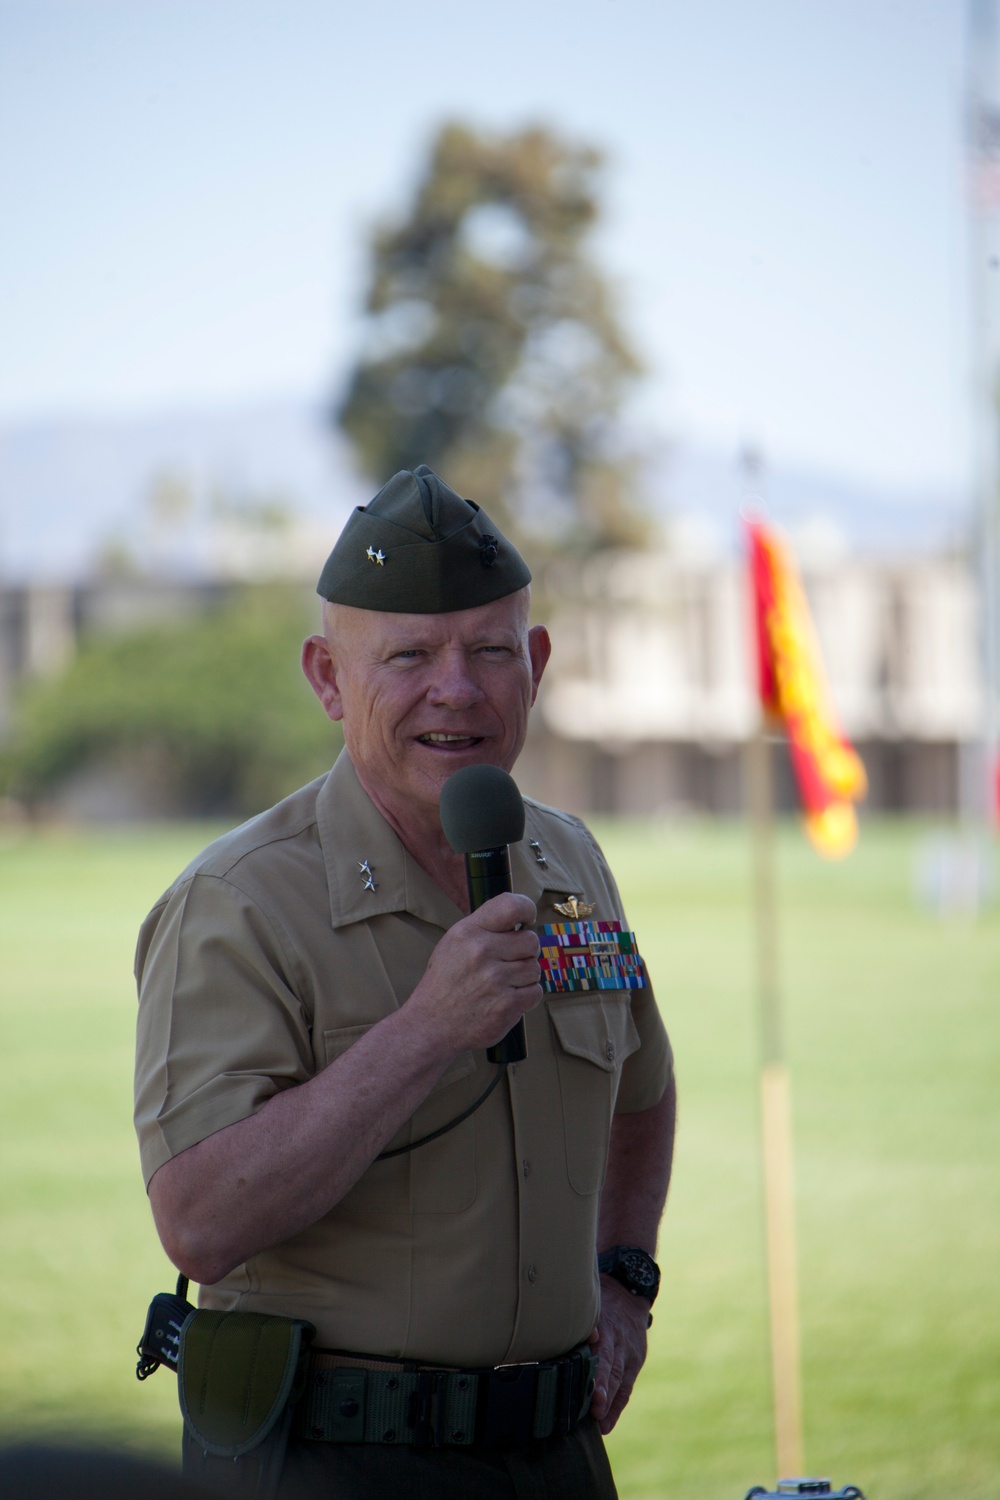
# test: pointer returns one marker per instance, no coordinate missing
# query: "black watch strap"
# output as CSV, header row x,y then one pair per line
x,y
634,1268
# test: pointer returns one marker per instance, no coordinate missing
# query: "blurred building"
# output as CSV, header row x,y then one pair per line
x,y
650,694
649,697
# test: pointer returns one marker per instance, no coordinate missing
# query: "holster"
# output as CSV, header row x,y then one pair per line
x,y
238,1378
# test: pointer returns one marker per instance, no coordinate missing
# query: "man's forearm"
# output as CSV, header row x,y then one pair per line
x,y
638,1176
264,1179
635,1190
268,1177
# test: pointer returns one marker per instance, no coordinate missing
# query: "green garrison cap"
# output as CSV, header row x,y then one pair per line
x,y
420,549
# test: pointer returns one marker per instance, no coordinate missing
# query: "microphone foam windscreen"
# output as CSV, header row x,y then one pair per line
x,y
481,808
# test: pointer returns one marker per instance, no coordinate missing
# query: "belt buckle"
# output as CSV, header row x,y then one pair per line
x,y
425,1410
508,1412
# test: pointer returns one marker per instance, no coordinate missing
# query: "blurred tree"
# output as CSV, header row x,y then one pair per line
x,y
492,351
215,708
170,505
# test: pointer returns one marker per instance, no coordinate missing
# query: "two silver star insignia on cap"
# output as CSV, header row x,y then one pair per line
x,y
376,557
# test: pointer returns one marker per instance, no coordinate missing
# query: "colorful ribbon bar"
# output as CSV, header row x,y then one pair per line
x,y
578,956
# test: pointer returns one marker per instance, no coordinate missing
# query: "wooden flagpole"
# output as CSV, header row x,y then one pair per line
x,y
776,1122
775,1090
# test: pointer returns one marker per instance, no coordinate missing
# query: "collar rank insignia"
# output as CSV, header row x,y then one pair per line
x,y
589,956
365,871
573,907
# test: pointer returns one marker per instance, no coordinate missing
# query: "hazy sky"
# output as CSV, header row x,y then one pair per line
x,y
186,185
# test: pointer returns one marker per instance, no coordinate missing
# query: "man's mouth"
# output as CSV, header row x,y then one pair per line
x,y
449,741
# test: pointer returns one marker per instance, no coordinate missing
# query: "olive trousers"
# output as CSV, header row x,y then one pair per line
x,y
565,1468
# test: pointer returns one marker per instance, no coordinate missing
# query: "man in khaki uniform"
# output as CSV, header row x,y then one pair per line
x,y
316,999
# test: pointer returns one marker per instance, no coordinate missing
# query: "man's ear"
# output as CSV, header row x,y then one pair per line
x,y
321,674
539,649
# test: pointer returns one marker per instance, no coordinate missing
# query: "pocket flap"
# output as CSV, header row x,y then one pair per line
x,y
601,1032
236,1375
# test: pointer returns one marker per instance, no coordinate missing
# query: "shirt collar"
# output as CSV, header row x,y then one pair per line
x,y
353,833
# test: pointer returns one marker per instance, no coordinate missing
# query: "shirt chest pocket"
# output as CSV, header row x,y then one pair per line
x,y
439,1177
594,1036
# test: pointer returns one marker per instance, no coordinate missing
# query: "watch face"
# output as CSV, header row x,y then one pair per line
x,y
641,1270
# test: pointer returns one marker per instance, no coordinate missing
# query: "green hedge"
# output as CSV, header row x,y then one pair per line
x,y
212,711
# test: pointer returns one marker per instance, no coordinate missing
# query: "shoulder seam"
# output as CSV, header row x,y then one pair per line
x,y
229,859
260,843
556,812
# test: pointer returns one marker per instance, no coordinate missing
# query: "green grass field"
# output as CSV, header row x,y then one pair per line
x,y
893,1036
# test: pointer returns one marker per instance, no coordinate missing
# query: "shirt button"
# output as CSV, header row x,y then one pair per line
x,y
609,1050
525,1167
532,1273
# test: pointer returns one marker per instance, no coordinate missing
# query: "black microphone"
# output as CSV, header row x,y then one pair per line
x,y
481,813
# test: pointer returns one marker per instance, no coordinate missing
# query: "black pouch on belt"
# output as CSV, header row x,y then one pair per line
x,y
239,1376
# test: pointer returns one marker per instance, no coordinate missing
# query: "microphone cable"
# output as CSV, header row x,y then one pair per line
x,y
444,1129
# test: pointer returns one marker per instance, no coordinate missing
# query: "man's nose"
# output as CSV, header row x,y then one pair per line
x,y
454,684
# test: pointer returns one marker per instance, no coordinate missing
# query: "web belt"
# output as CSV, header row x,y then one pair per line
x,y
370,1401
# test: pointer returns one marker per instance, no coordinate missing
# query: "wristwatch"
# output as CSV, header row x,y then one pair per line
x,y
634,1268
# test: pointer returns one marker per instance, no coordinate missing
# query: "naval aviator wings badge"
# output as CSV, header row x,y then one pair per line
x,y
573,907
579,956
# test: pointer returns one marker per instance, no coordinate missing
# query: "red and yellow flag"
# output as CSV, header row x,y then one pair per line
x,y
793,689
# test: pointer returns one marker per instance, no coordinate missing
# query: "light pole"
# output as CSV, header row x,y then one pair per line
x,y
983,178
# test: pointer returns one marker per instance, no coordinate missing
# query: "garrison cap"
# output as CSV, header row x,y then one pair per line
x,y
418,548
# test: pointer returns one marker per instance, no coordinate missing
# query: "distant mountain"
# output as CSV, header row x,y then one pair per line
x,y
72,489
703,489
69,489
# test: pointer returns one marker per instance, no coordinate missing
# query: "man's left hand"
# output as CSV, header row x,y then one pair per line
x,y
620,1342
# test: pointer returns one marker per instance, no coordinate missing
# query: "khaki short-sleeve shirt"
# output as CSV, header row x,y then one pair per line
x,y
269,957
